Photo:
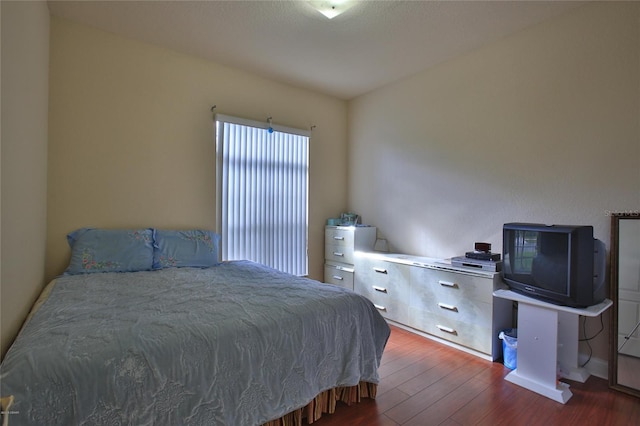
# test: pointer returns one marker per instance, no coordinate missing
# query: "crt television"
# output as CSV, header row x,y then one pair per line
x,y
560,264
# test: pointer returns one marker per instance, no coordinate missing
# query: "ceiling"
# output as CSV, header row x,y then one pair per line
x,y
371,44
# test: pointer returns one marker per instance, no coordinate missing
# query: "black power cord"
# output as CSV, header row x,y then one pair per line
x,y
587,339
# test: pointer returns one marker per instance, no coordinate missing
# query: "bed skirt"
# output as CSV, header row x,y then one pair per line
x,y
325,402
5,404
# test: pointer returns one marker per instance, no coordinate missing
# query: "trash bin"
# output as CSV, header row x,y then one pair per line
x,y
509,339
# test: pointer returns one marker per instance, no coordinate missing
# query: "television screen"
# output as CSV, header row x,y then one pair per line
x,y
539,259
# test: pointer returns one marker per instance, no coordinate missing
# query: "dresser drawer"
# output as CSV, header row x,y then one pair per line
x,y
451,286
471,335
339,237
391,309
338,253
338,275
467,312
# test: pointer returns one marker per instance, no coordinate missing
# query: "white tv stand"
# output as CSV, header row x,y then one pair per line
x,y
548,338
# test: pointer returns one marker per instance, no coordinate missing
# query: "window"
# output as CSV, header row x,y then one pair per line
x,y
525,250
262,193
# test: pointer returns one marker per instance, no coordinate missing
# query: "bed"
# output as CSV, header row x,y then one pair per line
x,y
231,343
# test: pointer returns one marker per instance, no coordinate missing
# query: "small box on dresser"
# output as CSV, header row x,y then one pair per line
x,y
341,242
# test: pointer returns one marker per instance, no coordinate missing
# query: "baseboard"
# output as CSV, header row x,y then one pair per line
x,y
596,366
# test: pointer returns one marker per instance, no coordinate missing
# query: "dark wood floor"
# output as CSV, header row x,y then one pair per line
x,y
426,383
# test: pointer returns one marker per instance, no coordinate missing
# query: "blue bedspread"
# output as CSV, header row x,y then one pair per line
x,y
236,344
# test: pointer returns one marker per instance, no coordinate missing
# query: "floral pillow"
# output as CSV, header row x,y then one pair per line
x,y
110,250
193,248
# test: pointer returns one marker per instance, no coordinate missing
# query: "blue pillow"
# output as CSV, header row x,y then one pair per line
x,y
194,248
110,250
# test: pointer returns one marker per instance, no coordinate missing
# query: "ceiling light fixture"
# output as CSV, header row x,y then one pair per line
x,y
332,8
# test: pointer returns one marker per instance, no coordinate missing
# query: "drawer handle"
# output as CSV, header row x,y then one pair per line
x,y
337,253
380,270
380,308
446,329
336,277
380,289
448,284
339,238
448,307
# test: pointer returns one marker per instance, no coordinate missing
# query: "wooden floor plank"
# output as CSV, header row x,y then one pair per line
x,y
425,383
448,405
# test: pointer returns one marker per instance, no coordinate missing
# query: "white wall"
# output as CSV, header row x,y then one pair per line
x,y
25,67
541,126
131,137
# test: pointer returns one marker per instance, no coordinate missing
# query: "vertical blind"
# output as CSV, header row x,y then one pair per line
x,y
262,194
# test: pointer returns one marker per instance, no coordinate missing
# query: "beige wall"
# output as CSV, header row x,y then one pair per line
x,y
25,65
541,126
131,137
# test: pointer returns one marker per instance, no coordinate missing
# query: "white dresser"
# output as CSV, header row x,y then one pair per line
x,y
341,242
450,304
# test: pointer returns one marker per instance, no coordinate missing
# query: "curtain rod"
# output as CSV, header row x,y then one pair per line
x,y
269,119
